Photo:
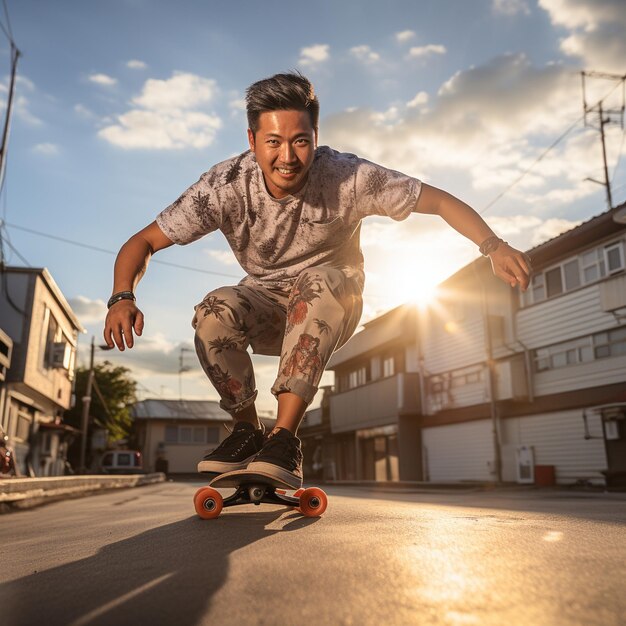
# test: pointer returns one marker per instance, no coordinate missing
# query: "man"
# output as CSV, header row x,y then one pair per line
x,y
291,213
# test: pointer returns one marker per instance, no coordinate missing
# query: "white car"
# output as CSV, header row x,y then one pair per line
x,y
122,462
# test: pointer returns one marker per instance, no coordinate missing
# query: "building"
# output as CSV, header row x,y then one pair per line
x,y
174,435
37,390
374,407
489,384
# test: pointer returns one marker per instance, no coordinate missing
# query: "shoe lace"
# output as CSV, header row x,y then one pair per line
x,y
236,437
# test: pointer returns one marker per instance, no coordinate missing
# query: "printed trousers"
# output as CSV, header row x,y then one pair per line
x,y
303,326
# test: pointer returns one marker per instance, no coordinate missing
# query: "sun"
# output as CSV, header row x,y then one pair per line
x,y
412,283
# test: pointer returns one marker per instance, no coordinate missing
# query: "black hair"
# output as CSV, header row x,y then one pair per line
x,y
282,92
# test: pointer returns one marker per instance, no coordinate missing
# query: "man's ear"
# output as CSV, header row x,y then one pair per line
x,y
251,139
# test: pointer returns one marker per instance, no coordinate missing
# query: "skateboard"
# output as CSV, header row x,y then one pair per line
x,y
255,488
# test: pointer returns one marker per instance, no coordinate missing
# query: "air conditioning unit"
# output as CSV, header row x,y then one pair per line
x,y
61,355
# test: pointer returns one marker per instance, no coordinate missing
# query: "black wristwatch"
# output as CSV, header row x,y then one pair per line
x,y
120,295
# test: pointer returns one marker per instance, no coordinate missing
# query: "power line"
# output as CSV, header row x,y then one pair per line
x,y
545,152
5,239
106,251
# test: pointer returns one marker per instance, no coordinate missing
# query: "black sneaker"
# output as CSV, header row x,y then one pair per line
x,y
281,457
236,451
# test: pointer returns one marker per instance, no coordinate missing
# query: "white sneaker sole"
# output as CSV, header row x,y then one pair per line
x,y
280,473
221,467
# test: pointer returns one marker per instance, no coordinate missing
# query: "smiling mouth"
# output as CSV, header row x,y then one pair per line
x,y
286,171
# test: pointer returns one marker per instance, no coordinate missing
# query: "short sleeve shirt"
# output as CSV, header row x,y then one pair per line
x,y
273,239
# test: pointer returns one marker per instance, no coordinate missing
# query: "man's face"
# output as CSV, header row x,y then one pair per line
x,y
284,145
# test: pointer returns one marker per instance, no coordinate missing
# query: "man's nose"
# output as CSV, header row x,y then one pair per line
x,y
287,153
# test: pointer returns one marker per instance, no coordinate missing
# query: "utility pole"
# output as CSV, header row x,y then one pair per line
x,y
15,55
86,405
602,116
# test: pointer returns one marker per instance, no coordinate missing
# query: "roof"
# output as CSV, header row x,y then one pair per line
x,y
53,288
394,325
201,410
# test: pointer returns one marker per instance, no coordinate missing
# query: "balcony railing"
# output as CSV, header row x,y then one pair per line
x,y
375,404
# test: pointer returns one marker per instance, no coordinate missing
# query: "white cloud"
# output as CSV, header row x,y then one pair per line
x,y
21,103
510,7
420,52
312,55
598,31
166,116
225,257
46,149
181,91
83,111
88,311
485,126
420,99
238,104
135,64
404,36
365,54
552,228
102,79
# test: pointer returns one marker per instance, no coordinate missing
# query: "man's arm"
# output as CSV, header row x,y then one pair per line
x,y
132,261
509,264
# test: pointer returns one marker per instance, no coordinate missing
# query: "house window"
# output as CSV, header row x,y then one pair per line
x,y
357,378
614,257
611,343
184,434
598,346
584,269
199,434
538,288
554,283
171,434
571,271
388,366
51,334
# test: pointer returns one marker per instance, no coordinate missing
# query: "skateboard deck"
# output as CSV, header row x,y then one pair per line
x,y
244,477
255,488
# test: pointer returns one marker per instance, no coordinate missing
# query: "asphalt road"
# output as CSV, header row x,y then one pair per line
x,y
142,556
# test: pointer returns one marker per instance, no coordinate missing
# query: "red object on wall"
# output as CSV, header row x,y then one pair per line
x,y
545,475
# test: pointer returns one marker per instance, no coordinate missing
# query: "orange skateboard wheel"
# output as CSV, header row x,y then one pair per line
x,y
313,502
208,503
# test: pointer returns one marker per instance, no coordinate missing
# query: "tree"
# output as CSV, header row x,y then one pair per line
x,y
118,391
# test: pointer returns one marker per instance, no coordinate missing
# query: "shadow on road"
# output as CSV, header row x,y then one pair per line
x,y
166,575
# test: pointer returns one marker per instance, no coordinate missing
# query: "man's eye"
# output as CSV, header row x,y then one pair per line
x,y
272,142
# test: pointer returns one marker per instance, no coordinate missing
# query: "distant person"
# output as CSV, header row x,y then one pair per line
x,y
291,212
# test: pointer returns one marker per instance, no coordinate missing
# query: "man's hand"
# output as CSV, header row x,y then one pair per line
x,y
511,265
122,319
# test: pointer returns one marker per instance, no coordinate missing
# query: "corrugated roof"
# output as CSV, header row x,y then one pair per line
x,y
180,410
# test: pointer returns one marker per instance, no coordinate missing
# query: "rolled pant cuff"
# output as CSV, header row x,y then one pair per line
x,y
240,406
300,387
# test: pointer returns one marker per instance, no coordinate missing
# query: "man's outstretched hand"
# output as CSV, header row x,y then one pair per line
x,y
511,265
122,320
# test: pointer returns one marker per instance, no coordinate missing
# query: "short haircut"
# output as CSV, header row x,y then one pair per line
x,y
281,92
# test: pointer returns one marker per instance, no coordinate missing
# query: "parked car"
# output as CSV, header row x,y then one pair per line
x,y
122,462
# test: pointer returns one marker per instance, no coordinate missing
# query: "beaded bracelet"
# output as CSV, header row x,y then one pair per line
x,y
120,295
491,244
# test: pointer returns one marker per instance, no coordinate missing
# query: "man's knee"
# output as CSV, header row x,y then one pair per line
x,y
219,308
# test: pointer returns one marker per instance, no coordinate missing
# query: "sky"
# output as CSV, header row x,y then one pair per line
x,y
121,105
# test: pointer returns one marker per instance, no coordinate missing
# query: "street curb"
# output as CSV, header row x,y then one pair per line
x,y
25,493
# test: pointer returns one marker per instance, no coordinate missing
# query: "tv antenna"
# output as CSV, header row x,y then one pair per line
x,y
598,116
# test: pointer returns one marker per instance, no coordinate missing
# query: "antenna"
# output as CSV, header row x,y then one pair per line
x,y
182,368
598,116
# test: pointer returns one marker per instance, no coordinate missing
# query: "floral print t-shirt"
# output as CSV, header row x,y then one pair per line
x,y
273,239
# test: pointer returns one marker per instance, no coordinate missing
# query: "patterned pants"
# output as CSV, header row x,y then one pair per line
x,y
303,326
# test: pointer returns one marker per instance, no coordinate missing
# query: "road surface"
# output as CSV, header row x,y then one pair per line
x,y
142,556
